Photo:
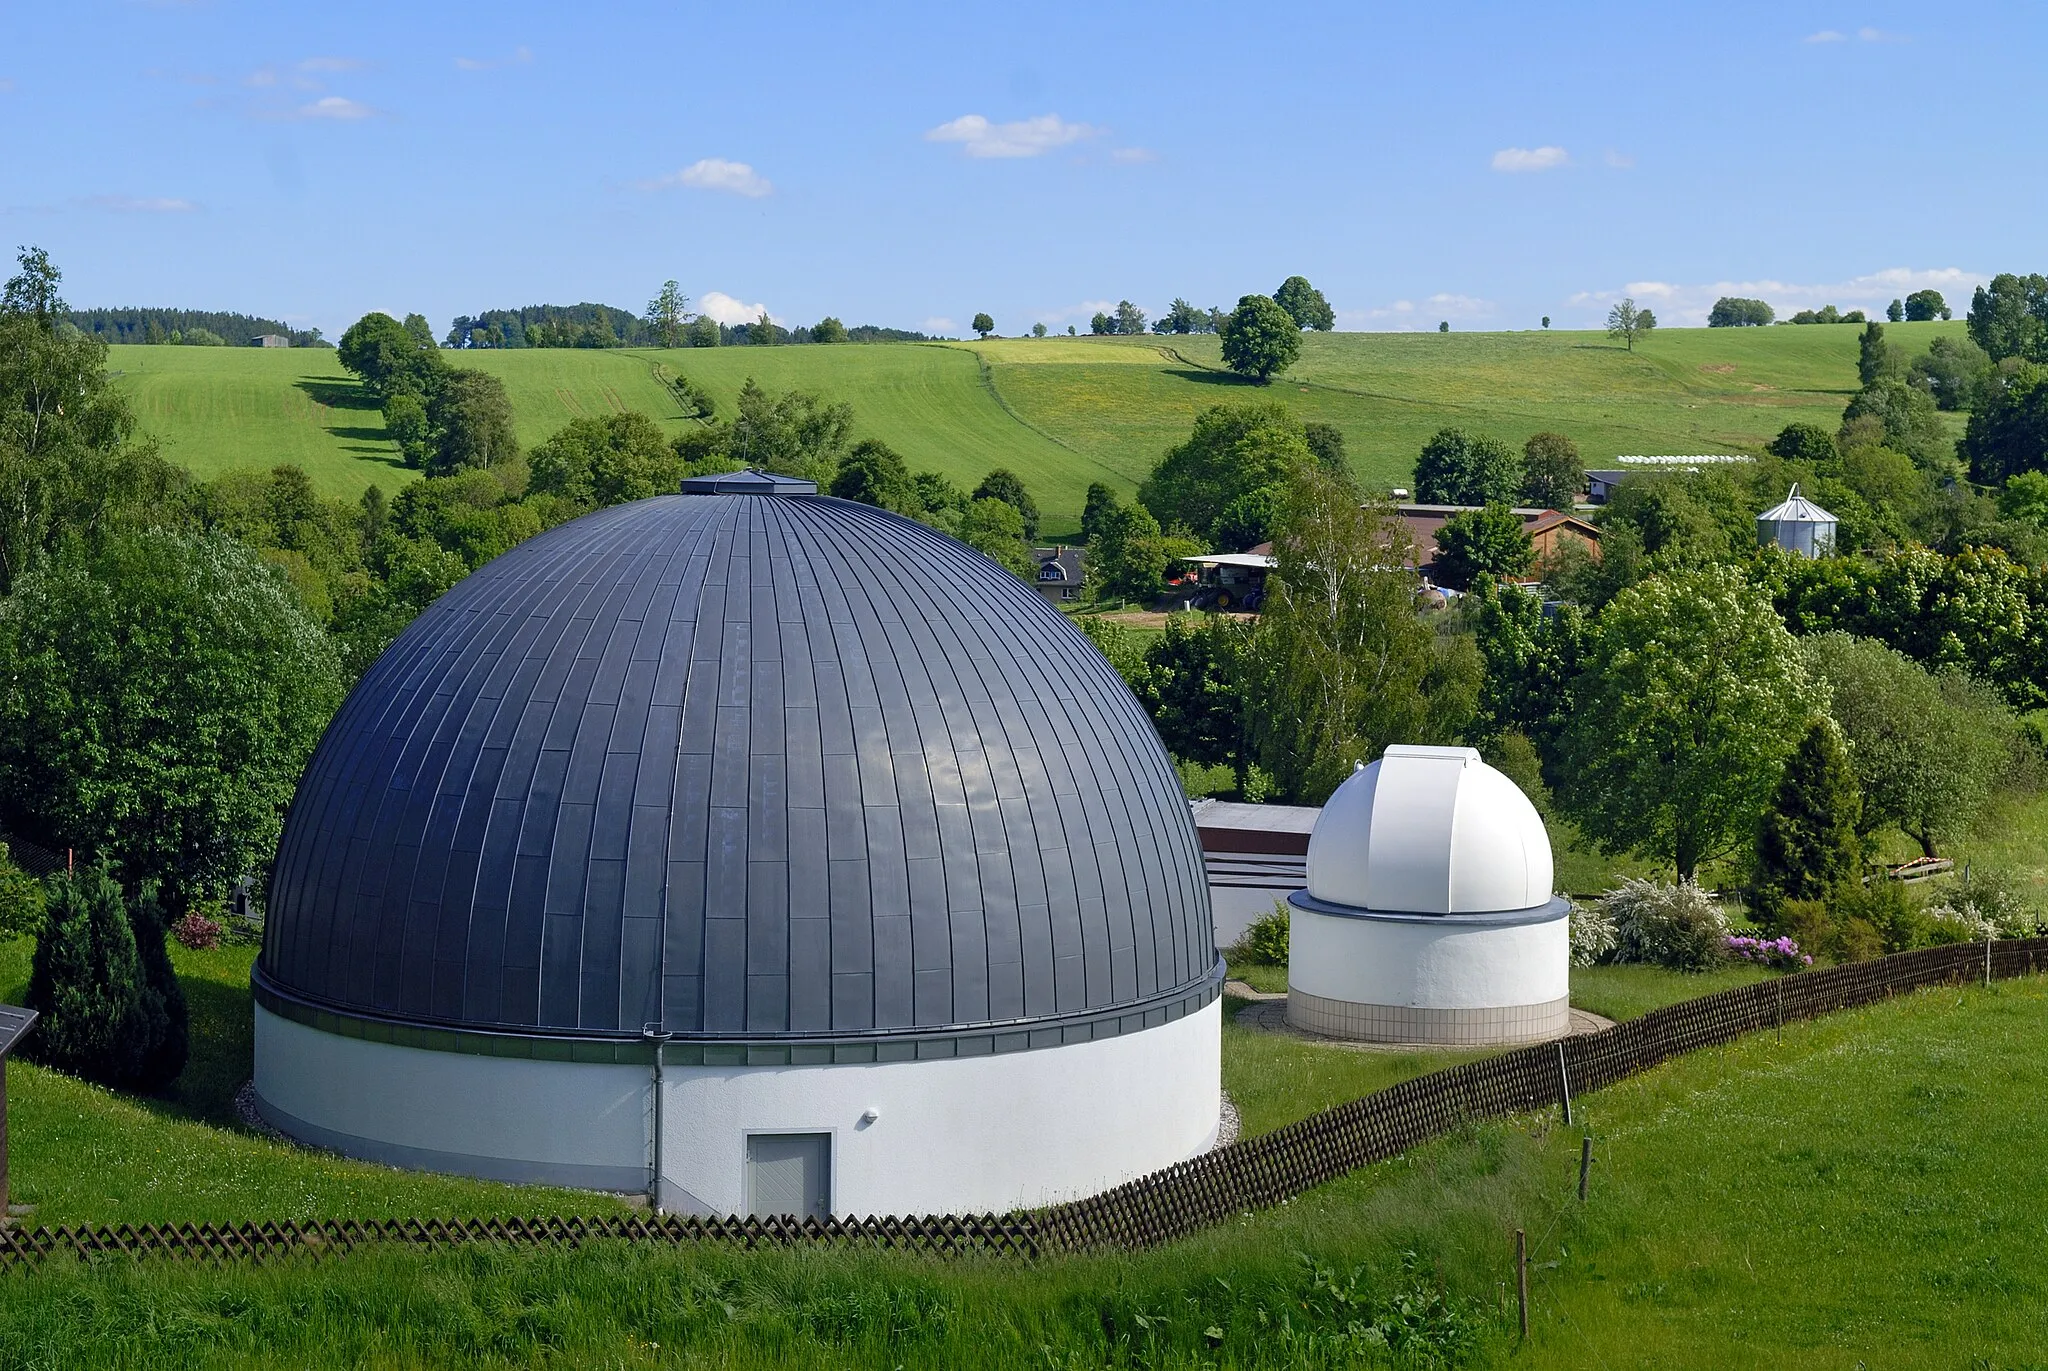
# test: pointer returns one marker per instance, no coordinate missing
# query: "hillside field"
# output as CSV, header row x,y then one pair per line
x,y
1060,412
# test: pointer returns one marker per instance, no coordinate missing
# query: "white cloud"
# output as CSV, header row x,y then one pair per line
x,y
716,304
330,107
332,64
261,77
1620,161
6,84
1078,313
1530,159
938,324
1402,315
715,173
1863,35
1133,155
1688,304
1021,138
521,55
134,204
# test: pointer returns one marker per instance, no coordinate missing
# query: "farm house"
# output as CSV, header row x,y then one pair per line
x,y
767,851
1429,915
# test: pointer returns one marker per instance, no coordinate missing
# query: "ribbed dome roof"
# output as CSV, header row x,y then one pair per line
x,y
1430,830
738,766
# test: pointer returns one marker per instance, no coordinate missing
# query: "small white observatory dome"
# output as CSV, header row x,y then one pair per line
x,y
1430,830
1429,915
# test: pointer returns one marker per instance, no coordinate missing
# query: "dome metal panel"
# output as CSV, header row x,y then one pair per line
x,y
736,767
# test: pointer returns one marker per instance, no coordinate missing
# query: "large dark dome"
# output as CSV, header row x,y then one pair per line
x,y
740,767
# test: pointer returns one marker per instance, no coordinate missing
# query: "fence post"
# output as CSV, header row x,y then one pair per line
x,y
1585,1163
1564,1084
1522,1282
1987,961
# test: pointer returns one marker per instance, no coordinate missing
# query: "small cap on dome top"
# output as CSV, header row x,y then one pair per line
x,y
752,481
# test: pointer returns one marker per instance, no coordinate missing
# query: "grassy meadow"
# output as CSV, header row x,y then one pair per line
x,y
1061,412
1863,1192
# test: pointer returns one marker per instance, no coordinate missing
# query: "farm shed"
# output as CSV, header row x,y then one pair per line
x,y
1429,915
766,850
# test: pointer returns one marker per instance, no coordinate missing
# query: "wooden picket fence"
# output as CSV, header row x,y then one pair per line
x,y
1166,1205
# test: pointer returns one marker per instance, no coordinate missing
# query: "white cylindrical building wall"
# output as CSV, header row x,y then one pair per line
x,y
1429,979
954,1135
960,1135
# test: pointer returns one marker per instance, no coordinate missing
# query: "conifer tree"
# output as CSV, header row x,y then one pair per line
x,y
163,1028
86,980
110,1004
1807,847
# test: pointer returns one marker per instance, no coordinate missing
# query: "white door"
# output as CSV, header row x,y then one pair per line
x,y
789,1173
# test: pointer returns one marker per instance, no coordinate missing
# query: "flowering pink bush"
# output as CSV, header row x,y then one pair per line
x,y
1778,952
197,932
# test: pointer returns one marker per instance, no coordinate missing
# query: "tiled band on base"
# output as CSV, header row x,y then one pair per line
x,y
1386,1023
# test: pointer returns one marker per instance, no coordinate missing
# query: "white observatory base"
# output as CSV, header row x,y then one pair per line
x,y
1450,979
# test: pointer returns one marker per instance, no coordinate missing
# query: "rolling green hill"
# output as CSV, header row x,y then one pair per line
x,y
1061,412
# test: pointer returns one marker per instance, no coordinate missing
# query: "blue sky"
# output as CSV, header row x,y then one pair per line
x,y
910,165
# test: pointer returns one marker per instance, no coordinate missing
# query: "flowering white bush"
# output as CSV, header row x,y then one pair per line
x,y
1962,921
1679,926
1593,935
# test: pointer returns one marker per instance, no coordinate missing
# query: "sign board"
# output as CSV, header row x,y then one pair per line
x,y
14,1022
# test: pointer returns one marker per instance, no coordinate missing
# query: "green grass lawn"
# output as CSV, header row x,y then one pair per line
x,y
81,1153
1061,412
1865,1192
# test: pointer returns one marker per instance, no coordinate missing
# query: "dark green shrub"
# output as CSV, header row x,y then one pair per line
x,y
166,1039
21,900
111,1007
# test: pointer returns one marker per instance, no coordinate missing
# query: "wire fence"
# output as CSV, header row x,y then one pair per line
x,y
1170,1204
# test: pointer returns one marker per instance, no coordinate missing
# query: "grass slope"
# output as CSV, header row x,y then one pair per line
x,y
1863,1191
1061,412
1682,391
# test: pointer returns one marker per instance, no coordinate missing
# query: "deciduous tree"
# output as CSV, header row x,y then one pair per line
x,y
1694,696
828,330
1234,449
471,418
1625,323
2009,317
1130,320
1305,304
161,696
875,474
1457,469
1482,544
1553,477
1260,338
995,530
1341,664
1733,311
2010,433
668,313
1923,305
983,325
1003,484
1926,750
